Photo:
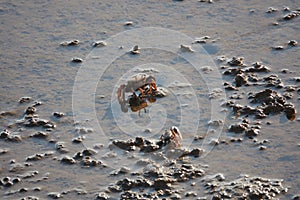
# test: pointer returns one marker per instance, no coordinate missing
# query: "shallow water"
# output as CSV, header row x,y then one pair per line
x,y
34,64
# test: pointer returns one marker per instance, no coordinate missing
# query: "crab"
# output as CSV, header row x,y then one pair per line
x,y
143,87
172,136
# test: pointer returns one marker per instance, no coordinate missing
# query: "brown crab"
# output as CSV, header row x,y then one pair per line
x,y
143,87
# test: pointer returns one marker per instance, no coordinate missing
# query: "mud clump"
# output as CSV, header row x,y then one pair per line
x,y
272,103
70,43
291,15
244,188
162,179
236,61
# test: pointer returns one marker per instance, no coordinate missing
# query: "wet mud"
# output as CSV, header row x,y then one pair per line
x,y
44,152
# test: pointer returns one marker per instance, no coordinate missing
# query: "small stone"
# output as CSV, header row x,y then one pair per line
x,y
58,114
278,47
271,10
54,195
99,44
76,60
240,79
293,43
135,50
186,48
39,134
236,61
175,197
191,194
252,132
30,110
24,99
291,15
15,138
161,184
262,148
237,128
68,160
3,151
102,196
78,139
4,134
195,152
70,43
128,23
296,197
21,190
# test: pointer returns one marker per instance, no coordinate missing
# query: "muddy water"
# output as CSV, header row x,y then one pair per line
x,y
34,64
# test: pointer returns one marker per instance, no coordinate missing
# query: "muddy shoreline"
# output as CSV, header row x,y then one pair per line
x,y
45,154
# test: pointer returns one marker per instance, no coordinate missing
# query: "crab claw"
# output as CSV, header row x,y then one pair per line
x,y
175,131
